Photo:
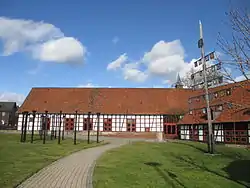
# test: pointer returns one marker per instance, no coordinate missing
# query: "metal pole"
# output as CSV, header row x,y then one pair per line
x,y
88,124
25,126
98,127
21,139
60,123
33,124
75,128
209,119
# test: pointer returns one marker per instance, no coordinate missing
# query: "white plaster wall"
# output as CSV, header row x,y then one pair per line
x,y
119,122
200,132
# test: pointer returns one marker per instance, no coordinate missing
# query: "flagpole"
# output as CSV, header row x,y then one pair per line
x,y
209,119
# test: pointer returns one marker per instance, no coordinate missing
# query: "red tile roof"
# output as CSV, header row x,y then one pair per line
x,y
108,100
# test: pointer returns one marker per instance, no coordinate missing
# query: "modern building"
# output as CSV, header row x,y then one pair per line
x,y
177,112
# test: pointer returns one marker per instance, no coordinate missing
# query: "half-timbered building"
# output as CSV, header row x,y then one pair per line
x,y
176,112
230,112
118,110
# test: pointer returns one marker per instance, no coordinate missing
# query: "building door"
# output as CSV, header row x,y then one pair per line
x,y
170,130
194,133
85,124
131,125
169,126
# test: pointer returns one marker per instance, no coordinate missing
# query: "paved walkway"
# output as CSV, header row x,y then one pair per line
x,y
74,171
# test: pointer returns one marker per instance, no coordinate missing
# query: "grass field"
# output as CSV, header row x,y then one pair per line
x,y
183,164
20,160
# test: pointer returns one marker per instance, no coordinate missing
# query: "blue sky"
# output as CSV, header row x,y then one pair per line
x,y
95,33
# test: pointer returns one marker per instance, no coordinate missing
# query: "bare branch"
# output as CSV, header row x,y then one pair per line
x,y
238,47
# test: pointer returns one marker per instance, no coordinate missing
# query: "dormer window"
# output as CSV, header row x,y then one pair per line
x,y
204,110
228,92
219,108
215,95
190,112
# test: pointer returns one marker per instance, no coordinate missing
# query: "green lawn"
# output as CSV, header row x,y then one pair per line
x,y
20,160
161,165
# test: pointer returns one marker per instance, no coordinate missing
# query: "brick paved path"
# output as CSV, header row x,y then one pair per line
x,y
74,171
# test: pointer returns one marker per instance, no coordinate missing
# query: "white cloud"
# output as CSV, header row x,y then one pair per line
x,y
134,74
115,40
12,97
164,60
61,50
118,62
43,40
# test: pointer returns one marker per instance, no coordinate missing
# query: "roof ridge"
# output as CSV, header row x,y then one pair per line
x,y
110,88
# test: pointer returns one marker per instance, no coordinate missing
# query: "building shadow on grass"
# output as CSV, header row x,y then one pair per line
x,y
238,171
231,155
169,177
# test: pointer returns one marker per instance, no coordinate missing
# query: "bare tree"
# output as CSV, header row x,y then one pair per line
x,y
186,80
237,48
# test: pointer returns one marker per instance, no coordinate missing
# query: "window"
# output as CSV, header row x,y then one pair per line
x,y
169,129
215,95
204,110
219,108
69,124
3,114
85,124
222,93
107,125
228,92
173,129
190,112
